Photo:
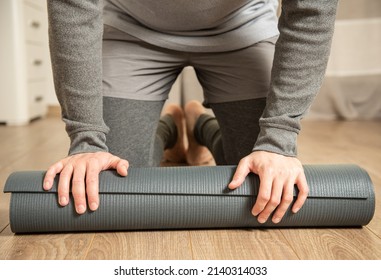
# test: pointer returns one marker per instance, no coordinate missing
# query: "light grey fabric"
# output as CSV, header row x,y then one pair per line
x,y
76,55
189,197
300,60
133,69
75,35
197,25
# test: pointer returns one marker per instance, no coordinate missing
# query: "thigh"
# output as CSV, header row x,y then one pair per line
x,y
236,75
235,86
137,78
133,125
134,69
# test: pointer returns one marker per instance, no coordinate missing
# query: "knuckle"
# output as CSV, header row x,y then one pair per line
x,y
114,157
51,170
248,160
267,171
93,165
304,191
264,198
78,198
62,192
77,181
299,169
287,199
260,206
92,196
242,162
91,180
299,172
274,201
92,162
124,162
78,192
67,171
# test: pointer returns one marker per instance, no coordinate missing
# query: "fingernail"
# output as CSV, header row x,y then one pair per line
x,y
93,206
46,185
81,209
261,220
276,220
124,170
63,200
233,184
254,213
295,210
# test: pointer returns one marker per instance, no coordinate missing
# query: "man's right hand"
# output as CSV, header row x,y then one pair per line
x,y
82,172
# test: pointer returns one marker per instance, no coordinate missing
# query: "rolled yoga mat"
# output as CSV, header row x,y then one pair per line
x,y
188,197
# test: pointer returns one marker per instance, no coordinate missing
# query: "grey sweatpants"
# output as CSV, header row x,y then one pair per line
x,y
137,78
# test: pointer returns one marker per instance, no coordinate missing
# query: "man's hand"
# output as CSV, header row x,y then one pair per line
x,y
82,171
277,174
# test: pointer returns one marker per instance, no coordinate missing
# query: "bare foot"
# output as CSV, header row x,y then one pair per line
x,y
196,154
177,154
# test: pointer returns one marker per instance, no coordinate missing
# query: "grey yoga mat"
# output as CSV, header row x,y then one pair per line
x,y
188,197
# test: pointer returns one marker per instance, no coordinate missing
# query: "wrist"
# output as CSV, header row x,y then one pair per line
x,y
87,142
277,140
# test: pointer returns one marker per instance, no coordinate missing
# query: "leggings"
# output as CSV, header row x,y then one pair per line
x,y
140,135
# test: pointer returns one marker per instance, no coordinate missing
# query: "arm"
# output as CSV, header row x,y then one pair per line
x,y
75,36
300,60
301,56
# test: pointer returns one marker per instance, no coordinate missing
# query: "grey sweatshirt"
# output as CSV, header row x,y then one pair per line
x,y
301,54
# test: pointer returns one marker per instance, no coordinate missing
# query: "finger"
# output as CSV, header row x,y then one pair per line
x,y
92,184
273,202
51,174
264,193
287,198
240,174
122,167
302,185
112,163
64,185
78,188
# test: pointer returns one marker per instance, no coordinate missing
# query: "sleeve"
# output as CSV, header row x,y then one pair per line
x,y
75,39
300,61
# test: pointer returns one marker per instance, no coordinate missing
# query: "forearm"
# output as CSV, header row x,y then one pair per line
x,y
300,60
75,36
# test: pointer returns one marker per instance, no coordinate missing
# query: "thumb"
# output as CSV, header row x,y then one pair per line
x,y
121,165
240,174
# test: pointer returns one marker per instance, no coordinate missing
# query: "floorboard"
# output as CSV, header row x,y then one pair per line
x,y
36,146
141,245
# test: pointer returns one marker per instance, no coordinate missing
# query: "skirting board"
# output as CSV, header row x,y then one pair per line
x,y
189,198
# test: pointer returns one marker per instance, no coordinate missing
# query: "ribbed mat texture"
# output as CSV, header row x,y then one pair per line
x,y
188,197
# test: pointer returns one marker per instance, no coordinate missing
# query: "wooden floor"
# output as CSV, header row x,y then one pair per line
x,y
37,145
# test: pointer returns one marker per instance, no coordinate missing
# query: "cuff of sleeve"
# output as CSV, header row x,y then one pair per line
x,y
87,142
277,140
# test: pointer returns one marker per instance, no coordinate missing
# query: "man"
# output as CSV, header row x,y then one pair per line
x,y
112,91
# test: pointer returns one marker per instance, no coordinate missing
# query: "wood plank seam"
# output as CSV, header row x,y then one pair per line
x,y
290,245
